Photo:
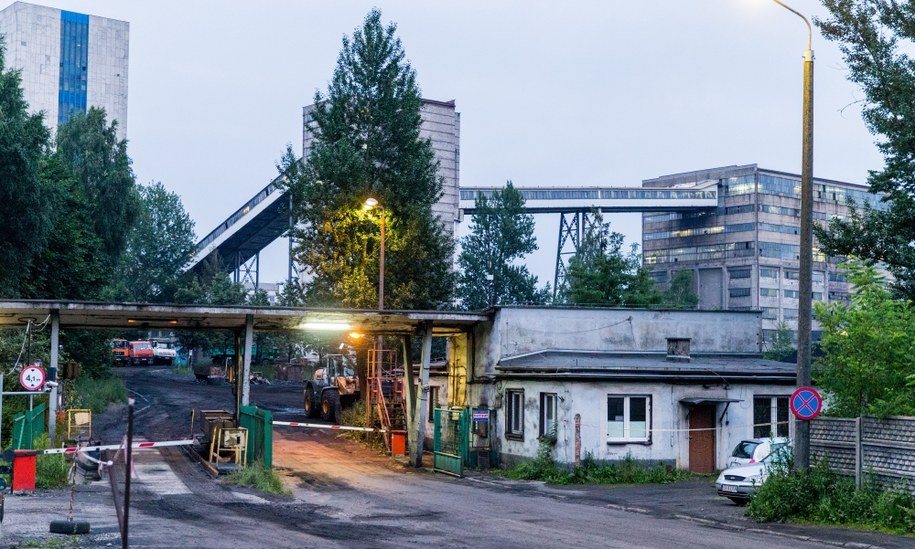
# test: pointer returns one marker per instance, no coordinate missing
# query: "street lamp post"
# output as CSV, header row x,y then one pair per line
x,y
805,286
371,203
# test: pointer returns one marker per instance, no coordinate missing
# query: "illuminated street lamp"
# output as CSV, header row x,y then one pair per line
x,y
371,203
805,286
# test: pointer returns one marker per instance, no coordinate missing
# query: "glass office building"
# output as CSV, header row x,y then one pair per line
x,y
745,253
68,61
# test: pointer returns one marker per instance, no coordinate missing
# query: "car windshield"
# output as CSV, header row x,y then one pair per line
x,y
745,449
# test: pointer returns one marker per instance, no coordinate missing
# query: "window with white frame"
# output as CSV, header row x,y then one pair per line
x,y
770,416
628,418
514,413
548,407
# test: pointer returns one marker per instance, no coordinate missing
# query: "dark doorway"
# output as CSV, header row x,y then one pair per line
x,y
702,439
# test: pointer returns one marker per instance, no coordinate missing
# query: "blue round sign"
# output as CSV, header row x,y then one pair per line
x,y
806,403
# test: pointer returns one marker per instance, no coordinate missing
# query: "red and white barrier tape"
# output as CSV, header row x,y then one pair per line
x,y
77,449
332,427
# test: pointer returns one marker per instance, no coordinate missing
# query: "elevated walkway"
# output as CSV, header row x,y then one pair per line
x,y
605,199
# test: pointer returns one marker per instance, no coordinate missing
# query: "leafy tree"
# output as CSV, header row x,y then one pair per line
x,y
89,146
641,291
158,246
367,143
71,265
868,349
601,274
781,347
876,37
501,234
680,293
23,143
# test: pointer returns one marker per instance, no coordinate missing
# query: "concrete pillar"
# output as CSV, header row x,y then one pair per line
x,y
246,372
55,358
422,405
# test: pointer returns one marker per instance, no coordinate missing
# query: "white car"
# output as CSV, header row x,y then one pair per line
x,y
754,449
738,484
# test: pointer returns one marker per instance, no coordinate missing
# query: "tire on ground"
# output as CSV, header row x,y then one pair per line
x,y
69,527
330,405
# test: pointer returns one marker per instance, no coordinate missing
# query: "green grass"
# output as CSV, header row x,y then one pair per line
x,y
96,393
52,470
258,476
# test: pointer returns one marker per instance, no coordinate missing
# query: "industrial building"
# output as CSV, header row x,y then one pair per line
x,y
68,61
745,253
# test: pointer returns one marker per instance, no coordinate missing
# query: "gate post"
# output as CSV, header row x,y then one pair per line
x,y
53,369
859,452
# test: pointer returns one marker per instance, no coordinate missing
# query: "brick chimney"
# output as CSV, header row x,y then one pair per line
x,y
678,349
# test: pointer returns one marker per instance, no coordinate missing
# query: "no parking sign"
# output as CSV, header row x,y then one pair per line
x,y
806,403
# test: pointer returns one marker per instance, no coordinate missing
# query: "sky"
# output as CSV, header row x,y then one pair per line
x,y
572,93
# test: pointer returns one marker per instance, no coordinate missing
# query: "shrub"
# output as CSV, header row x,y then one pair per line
x,y
822,496
96,393
627,471
258,476
52,470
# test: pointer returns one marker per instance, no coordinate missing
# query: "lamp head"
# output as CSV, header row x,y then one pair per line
x,y
370,203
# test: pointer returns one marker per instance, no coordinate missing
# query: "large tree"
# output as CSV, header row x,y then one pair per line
x,y
26,221
88,144
876,39
368,143
868,349
159,245
600,274
501,235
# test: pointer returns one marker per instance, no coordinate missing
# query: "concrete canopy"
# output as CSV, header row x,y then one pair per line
x,y
82,314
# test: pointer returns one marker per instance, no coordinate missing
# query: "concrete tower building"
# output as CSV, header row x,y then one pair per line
x,y
69,61
745,254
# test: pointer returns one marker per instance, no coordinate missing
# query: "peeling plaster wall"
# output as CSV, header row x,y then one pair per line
x,y
519,330
669,421
525,330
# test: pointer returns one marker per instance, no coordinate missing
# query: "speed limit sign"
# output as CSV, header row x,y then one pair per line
x,y
32,377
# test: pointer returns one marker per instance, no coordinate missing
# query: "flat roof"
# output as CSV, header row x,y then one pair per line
x,y
100,315
728,367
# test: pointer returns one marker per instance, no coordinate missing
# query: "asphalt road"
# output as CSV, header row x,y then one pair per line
x,y
346,495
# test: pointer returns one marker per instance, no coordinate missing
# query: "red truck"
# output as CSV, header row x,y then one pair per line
x,y
140,352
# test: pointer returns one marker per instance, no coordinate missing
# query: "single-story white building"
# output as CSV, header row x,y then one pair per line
x,y
678,387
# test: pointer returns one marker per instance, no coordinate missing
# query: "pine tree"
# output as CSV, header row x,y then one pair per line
x,y
501,235
367,144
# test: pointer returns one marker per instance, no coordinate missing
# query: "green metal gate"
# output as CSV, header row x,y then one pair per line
x,y
259,424
451,444
28,426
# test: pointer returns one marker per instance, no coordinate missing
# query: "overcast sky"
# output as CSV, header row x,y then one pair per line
x,y
598,92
